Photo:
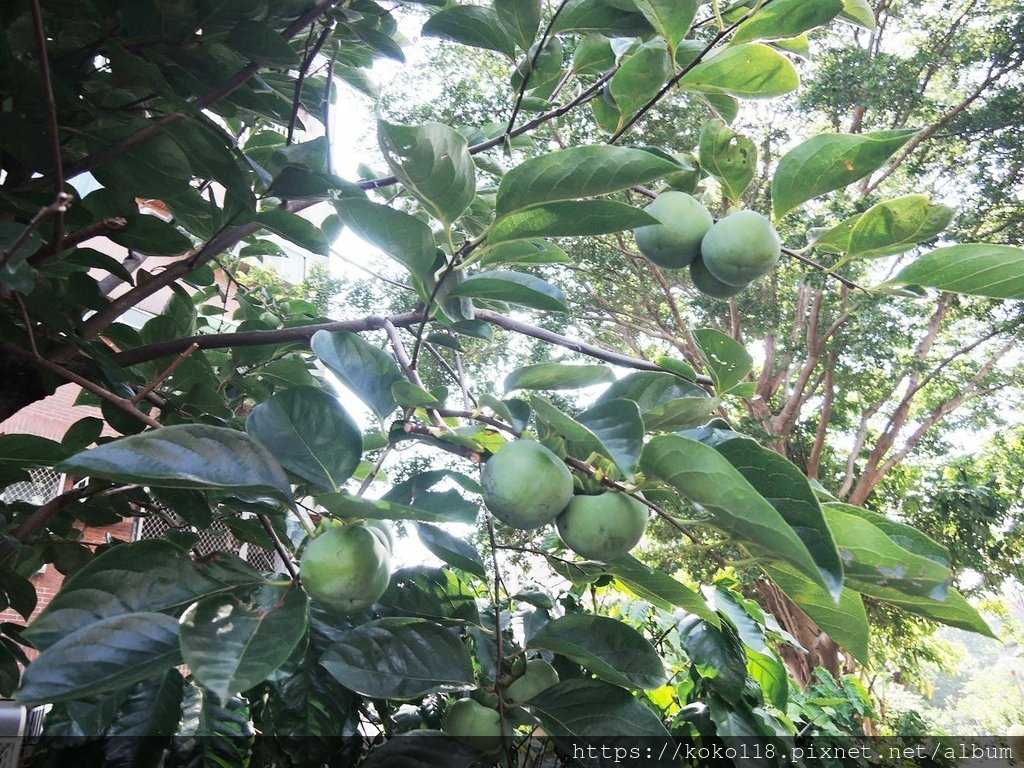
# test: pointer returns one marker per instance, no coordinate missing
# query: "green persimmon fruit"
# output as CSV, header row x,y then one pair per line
x,y
539,676
676,241
346,569
710,285
383,531
740,248
479,725
602,527
525,485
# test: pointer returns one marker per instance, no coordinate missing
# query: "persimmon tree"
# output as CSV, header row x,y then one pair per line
x,y
198,105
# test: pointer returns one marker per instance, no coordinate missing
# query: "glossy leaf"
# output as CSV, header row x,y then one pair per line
x,y
598,16
787,18
513,287
423,749
310,435
729,157
727,360
704,476
524,252
639,78
953,611
404,238
451,550
211,734
27,451
569,174
185,456
231,644
593,55
145,723
398,658
859,12
768,671
296,229
977,269
471,25
666,402
258,42
591,711
433,162
748,71
408,395
906,536
659,588
671,18
152,236
113,653
430,593
624,435
367,370
620,428
717,653
567,219
830,161
438,507
557,376
521,18
894,226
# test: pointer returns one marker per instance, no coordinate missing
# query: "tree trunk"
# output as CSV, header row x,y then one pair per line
x,y
821,650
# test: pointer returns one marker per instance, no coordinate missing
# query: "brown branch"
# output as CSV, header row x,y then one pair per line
x,y
282,552
818,446
38,520
55,208
165,374
822,268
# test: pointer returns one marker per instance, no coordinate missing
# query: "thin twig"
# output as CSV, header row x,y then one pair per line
x,y
36,521
165,374
499,650
301,79
57,207
408,369
372,475
59,202
533,65
822,268
282,552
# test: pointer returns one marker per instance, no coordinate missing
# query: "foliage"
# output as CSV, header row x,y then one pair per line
x,y
211,110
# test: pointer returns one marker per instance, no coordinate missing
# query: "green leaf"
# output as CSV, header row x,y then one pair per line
x,y
29,451
521,18
296,229
659,588
717,654
906,536
347,506
450,549
593,55
671,18
859,12
624,435
528,252
705,477
835,239
472,25
310,435
398,658
365,369
598,16
152,236
954,611
15,272
845,621
111,654
155,168
145,723
150,575
404,238
977,269
258,42
666,401
231,644
780,482
894,226
513,287
433,162
870,557
770,674
607,647
620,428
639,79
748,71
185,456
569,174
568,219
557,376
212,735
729,157
831,161
408,395
423,749
430,593
787,18
727,361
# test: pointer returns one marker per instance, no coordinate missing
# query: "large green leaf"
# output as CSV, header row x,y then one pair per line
x,y
433,162
954,611
977,269
404,238
727,361
659,588
310,434
211,734
729,157
906,536
569,174
599,16
430,593
296,229
748,71
671,18
568,219
831,161
894,226
623,432
398,658
111,654
717,654
521,18
367,370
231,644
258,42
639,78
152,236
151,575
513,287
870,557
557,376
145,723
154,168
787,18
344,505
450,549
424,749
845,621
666,402
704,476
472,25
610,649
28,451
768,671
185,456
524,252
780,482
859,12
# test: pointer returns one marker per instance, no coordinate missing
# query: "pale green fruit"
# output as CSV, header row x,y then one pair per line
x,y
740,248
382,529
602,527
525,485
346,569
710,285
676,241
479,725
539,676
